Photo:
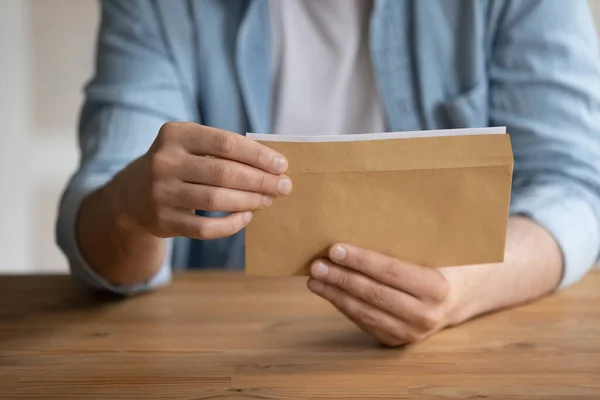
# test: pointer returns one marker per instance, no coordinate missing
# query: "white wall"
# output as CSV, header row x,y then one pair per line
x,y
46,53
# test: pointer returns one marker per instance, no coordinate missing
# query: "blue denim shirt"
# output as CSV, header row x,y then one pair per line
x,y
530,65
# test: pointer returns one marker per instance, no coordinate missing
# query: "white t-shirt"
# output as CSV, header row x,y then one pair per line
x,y
324,82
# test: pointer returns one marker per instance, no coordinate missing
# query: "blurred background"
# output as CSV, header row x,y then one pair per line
x,y
46,56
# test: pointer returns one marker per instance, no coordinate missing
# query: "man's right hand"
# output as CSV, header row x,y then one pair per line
x,y
121,227
193,167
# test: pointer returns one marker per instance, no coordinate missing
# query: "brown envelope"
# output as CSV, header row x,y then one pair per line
x,y
434,201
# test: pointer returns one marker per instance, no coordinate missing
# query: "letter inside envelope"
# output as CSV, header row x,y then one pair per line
x,y
434,198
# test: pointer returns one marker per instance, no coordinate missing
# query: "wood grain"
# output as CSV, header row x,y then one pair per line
x,y
225,336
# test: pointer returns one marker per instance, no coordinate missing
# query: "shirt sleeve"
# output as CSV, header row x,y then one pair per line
x,y
136,88
545,87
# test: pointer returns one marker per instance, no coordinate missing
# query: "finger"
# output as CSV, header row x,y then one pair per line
x,y
375,332
381,336
204,140
364,313
202,228
211,198
384,297
421,282
233,175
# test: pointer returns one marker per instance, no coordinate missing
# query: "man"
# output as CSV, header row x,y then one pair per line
x,y
332,67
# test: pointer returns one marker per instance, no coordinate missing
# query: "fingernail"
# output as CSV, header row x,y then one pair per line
x,y
316,286
267,201
285,185
319,269
247,217
338,253
280,164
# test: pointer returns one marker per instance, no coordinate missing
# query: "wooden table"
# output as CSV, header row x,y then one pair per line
x,y
224,336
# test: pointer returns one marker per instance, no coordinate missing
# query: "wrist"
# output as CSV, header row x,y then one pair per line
x,y
461,304
115,196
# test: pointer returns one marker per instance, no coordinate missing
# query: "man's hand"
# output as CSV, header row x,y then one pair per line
x,y
193,167
121,227
399,302
394,301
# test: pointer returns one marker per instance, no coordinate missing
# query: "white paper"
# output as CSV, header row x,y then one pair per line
x,y
375,136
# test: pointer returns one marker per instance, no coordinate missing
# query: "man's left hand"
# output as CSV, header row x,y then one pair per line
x,y
394,301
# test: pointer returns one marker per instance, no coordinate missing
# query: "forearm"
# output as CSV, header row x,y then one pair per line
x,y
111,245
532,268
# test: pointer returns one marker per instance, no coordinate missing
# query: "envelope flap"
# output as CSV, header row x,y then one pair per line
x,y
397,154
